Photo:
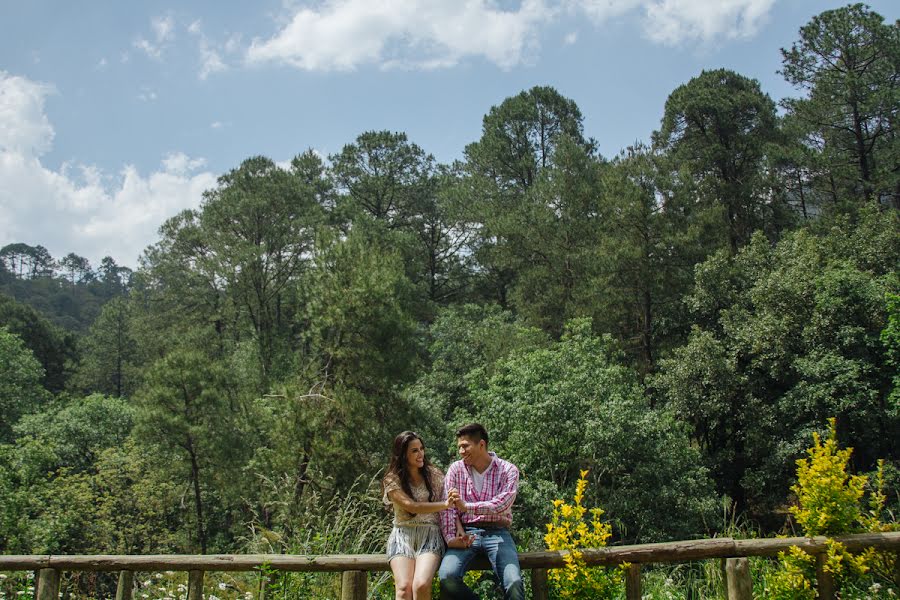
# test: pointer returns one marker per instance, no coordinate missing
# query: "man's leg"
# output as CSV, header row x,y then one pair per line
x,y
451,573
504,557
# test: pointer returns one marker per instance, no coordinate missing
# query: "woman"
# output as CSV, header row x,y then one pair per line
x,y
415,546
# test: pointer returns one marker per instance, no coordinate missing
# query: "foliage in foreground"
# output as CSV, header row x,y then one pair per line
x,y
830,503
572,528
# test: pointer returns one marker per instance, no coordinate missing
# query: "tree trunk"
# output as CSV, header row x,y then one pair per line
x,y
198,502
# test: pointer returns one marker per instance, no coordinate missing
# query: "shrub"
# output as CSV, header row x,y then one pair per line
x,y
571,530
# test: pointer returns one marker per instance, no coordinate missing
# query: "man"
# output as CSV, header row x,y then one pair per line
x,y
487,488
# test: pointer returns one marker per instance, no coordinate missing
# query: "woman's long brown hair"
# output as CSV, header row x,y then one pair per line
x,y
400,469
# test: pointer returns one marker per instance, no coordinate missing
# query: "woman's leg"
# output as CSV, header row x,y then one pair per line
x,y
403,569
426,567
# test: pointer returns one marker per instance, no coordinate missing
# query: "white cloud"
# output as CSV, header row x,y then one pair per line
x,y
211,55
673,22
180,163
210,61
603,10
80,208
24,128
146,94
345,34
163,34
163,27
216,125
570,38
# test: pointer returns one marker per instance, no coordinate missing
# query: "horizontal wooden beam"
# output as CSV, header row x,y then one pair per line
x,y
666,552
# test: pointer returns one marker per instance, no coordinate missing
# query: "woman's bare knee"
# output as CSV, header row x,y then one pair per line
x,y
422,589
403,590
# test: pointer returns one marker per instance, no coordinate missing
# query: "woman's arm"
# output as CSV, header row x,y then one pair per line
x,y
400,498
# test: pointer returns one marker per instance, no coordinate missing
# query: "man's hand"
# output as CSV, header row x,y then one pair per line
x,y
460,505
452,497
460,542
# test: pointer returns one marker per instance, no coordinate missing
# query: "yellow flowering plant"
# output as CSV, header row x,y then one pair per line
x,y
573,528
829,502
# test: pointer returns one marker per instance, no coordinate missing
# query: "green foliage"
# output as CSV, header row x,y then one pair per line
x,y
521,140
70,300
890,337
109,352
73,432
53,347
186,415
708,122
573,406
788,336
829,502
828,498
21,376
651,319
259,225
847,61
569,529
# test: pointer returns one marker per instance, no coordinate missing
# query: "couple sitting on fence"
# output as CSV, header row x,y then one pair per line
x,y
469,512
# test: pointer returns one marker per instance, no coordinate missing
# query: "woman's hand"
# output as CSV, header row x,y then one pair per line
x,y
452,498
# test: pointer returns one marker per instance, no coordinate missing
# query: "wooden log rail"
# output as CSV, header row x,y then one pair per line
x,y
354,566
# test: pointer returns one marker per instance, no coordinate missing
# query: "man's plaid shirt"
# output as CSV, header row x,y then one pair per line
x,y
493,505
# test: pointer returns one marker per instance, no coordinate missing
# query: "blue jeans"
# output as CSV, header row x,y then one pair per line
x,y
498,545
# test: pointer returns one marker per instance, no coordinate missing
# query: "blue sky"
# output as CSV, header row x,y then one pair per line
x,y
115,115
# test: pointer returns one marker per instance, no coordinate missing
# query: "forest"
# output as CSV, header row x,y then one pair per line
x,y
676,320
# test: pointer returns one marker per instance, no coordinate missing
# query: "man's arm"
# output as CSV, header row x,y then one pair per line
x,y
503,499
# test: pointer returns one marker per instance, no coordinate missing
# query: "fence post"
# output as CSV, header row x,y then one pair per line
x,y
48,585
633,582
737,579
126,585
265,585
195,585
539,588
824,579
353,585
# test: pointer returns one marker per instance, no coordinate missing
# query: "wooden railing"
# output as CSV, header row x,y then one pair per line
x,y
354,568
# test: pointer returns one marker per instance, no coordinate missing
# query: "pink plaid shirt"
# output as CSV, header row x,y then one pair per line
x,y
494,503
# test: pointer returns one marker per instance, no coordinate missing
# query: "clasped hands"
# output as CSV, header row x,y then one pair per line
x,y
462,540
454,500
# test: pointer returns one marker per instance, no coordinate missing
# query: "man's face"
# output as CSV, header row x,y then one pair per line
x,y
470,450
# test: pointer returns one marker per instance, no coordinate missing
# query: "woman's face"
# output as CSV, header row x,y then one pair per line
x,y
415,454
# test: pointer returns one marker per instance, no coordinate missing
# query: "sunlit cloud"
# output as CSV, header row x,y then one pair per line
x,y
346,34
82,208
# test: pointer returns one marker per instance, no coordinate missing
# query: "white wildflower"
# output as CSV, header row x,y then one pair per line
x,y
223,585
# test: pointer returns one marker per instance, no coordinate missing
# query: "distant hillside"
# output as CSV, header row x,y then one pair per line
x,y
67,291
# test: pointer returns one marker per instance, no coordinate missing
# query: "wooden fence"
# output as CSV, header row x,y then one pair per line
x,y
354,568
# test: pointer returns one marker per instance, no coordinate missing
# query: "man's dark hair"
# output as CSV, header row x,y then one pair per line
x,y
473,431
